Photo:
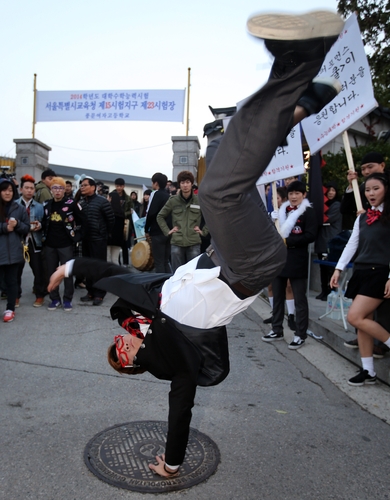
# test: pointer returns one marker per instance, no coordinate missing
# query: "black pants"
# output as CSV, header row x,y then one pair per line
x,y
298,286
38,269
9,278
161,250
55,257
95,249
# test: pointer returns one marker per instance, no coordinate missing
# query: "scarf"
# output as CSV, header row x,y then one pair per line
x,y
287,223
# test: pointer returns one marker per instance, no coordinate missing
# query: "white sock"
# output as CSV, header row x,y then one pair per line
x,y
290,306
387,342
368,364
271,302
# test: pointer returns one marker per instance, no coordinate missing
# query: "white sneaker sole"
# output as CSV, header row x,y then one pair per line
x,y
316,24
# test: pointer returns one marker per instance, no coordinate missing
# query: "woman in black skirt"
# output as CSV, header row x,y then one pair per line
x,y
370,283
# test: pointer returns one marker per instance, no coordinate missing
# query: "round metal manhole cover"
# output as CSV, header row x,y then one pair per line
x,y
121,456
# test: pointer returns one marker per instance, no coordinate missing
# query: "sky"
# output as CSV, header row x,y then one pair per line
x,y
127,44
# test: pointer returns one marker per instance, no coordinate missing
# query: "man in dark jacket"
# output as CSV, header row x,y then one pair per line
x,y
298,225
99,222
62,221
160,243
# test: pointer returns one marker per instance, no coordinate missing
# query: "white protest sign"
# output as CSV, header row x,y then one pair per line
x,y
110,105
347,62
287,160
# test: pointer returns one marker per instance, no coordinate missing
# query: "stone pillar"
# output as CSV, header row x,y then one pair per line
x,y
186,151
32,157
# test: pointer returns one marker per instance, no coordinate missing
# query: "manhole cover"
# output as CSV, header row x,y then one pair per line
x,y
121,456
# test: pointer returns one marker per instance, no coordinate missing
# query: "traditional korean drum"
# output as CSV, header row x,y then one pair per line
x,y
141,256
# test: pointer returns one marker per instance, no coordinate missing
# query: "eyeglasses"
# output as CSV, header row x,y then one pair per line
x,y
122,355
57,188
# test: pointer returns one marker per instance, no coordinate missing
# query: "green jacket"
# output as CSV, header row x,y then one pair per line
x,y
42,193
185,216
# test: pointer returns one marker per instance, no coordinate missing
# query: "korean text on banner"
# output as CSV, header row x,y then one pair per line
x,y
287,160
110,105
347,62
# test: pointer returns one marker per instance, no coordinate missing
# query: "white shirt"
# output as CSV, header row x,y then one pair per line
x,y
196,297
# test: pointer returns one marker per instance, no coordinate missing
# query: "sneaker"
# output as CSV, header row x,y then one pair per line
x,y
54,304
97,301
378,352
17,302
38,302
279,26
8,316
320,92
86,298
362,378
291,322
268,321
67,306
352,344
296,343
271,336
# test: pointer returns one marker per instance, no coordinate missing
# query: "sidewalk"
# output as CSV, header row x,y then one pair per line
x,y
334,360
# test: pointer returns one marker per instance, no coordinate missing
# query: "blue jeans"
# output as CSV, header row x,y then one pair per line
x,y
182,255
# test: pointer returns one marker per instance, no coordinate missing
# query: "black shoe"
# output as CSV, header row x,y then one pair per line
x,y
86,298
271,336
378,352
97,301
318,94
296,343
322,296
291,322
352,344
268,321
362,378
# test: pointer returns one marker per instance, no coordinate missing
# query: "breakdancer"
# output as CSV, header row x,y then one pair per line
x,y
176,325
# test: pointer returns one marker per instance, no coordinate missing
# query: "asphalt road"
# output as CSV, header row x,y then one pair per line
x,y
284,429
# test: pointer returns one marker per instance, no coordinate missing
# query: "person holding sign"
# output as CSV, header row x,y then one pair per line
x,y
371,163
179,330
370,282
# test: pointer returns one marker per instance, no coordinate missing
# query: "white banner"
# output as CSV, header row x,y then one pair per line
x,y
287,160
110,105
347,62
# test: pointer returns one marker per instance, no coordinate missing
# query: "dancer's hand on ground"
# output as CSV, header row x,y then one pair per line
x,y
56,278
160,469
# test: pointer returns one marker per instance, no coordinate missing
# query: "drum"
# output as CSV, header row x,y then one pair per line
x,y
141,256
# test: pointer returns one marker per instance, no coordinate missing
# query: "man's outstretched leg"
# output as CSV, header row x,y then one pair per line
x,y
245,241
